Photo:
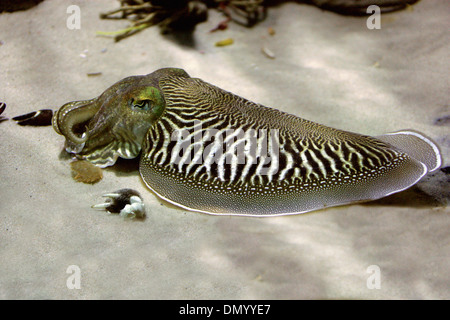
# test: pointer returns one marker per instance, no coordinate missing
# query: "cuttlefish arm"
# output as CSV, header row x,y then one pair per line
x,y
207,150
70,116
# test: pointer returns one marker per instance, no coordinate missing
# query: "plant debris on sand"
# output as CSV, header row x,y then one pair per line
x,y
184,15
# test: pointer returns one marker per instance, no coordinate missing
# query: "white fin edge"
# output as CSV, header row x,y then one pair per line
x,y
431,164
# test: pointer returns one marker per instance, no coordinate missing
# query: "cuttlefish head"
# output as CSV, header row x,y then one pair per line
x,y
115,123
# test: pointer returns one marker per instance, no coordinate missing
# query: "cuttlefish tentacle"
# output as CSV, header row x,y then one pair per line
x,y
72,114
208,150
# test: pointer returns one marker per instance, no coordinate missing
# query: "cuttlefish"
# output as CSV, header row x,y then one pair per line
x,y
205,149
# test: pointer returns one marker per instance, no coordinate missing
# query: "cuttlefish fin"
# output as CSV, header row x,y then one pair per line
x,y
417,146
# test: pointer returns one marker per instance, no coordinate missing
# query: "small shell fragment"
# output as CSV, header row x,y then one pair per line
x,y
2,108
86,172
127,202
225,42
36,118
268,53
84,53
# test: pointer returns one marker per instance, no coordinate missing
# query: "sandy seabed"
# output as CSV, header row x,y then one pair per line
x,y
327,68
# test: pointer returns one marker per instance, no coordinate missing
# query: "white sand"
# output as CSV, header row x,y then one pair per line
x,y
328,68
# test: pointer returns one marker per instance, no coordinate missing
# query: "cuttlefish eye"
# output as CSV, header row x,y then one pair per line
x,y
141,105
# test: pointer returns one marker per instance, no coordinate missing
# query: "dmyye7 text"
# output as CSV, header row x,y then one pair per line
x,y
253,309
